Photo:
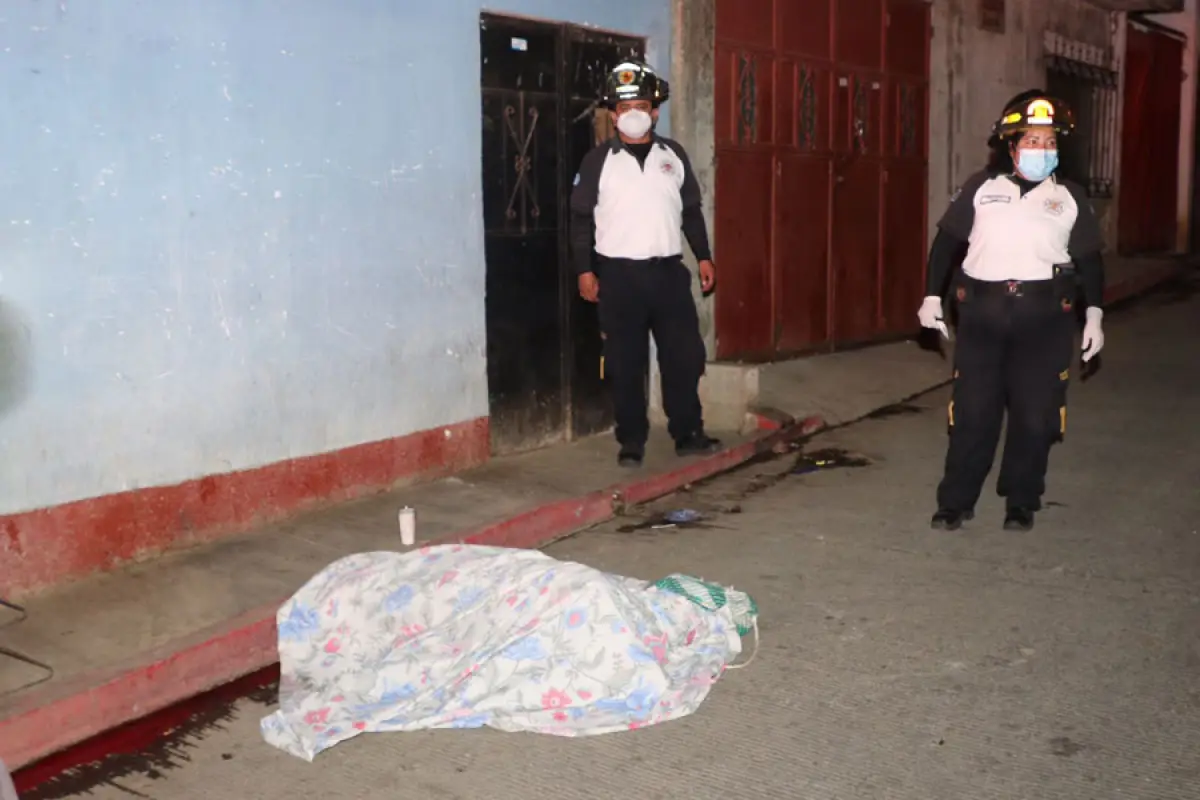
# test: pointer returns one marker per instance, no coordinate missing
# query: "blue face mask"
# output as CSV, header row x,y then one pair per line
x,y
1036,165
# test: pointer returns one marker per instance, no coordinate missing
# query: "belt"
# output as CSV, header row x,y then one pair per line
x,y
650,261
1012,288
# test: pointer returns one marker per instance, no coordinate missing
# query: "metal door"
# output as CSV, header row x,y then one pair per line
x,y
1148,188
906,164
800,263
521,194
821,172
540,82
744,181
858,169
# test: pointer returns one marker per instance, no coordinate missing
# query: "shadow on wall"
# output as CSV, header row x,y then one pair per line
x,y
16,363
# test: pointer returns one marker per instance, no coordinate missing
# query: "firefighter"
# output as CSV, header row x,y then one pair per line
x,y
1033,246
635,199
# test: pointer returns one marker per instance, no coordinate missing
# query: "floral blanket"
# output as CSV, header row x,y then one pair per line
x,y
459,636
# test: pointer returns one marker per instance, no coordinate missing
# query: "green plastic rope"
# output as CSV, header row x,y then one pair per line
x,y
712,596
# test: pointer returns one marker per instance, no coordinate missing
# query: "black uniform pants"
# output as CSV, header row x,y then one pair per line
x,y
638,298
1014,353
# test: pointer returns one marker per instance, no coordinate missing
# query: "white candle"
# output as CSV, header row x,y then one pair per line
x,y
408,526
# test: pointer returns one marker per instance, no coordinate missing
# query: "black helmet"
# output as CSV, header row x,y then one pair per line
x,y
634,80
1033,110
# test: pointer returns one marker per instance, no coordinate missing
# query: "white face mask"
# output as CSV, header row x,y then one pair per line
x,y
635,123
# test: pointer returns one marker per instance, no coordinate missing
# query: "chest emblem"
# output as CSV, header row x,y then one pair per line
x,y
1055,207
667,168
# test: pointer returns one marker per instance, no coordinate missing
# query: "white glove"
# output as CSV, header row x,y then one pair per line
x,y
1093,333
930,314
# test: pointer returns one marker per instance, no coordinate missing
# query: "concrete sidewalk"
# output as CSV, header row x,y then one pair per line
x,y
126,644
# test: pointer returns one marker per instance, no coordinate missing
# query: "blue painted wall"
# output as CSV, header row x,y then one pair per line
x,y
234,232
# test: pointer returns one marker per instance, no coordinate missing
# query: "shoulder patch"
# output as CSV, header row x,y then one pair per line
x,y
954,196
576,181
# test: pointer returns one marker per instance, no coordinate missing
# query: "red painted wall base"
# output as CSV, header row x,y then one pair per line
x,y
42,548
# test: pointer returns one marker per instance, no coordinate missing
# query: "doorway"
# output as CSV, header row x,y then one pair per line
x,y
539,84
821,136
1147,201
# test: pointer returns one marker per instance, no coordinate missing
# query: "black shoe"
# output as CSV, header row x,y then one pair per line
x,y
630,457
1018,519
949,519
1035,506
697,444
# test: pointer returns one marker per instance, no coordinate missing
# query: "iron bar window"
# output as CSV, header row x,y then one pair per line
x,y
1089,156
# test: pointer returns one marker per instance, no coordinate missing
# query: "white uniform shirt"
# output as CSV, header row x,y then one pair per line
x,y
628,210
639,213
1021,237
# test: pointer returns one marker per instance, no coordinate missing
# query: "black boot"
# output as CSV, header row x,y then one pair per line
x,y
631,456
950,519
696,444
1018,519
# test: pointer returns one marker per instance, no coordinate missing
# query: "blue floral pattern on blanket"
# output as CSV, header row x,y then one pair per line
x,y
460,636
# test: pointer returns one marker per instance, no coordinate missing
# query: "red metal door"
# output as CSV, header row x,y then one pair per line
x,y
858,169
814,110
804,174
745,66
1148,204
906,159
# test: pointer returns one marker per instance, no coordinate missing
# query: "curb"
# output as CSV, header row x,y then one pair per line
x,y
90,704
51,721
93,703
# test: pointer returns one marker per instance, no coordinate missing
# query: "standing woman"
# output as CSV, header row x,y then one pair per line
x,y
1032,241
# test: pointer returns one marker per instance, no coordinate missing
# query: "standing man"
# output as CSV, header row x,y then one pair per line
x,y
1032,241
633,197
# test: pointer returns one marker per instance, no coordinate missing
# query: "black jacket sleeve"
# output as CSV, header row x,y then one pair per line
x,y
1085,246
1091,278
954,231
695,230
945,254
584,197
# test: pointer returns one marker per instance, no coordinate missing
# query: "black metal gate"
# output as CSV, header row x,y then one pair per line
x,y
539,83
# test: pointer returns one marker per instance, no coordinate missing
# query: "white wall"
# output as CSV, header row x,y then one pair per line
x,y
233,233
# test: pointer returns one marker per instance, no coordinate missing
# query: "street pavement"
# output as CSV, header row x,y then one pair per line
x,y
895,661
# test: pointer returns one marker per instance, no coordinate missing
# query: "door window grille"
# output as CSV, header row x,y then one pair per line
x,y
1081,75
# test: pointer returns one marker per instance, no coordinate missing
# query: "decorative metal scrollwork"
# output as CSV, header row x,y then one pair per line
x,y
522,137
861,111
908,120
747,128
806,110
